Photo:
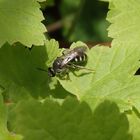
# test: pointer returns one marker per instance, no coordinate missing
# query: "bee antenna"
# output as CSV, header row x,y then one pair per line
x,y
42,69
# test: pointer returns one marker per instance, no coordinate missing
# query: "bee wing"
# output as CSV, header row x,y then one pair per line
x,y
68,58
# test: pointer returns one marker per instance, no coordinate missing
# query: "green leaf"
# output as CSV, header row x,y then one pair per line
x,y
70,120
134,122
113,78
19,73
125,31
4,133
77,44
52,49
125,25
21,22
40,0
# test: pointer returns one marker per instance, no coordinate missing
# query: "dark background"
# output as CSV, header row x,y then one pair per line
x,y
72,20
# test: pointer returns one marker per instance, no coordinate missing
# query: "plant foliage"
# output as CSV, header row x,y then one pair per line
x,y
103,104
21,22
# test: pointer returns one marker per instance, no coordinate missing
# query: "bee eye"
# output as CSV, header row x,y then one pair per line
x,y
51,72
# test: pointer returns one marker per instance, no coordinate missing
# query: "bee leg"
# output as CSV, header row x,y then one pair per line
x,y
64,75
67,74
73,67
41,69
80,67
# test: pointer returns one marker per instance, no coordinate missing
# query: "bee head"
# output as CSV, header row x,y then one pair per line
x,y
57,65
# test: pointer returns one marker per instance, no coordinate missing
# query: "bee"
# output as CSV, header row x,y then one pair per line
x,y
75,59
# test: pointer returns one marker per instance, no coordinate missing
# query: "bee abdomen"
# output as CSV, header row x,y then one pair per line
x,y
80,58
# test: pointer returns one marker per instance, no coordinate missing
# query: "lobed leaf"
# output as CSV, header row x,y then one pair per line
x,y
112,87
19,70
70,120
21,75
113,78
52,49
21,22
124,19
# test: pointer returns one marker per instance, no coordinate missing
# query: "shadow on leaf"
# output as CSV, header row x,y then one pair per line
x,y
69,121
19,74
